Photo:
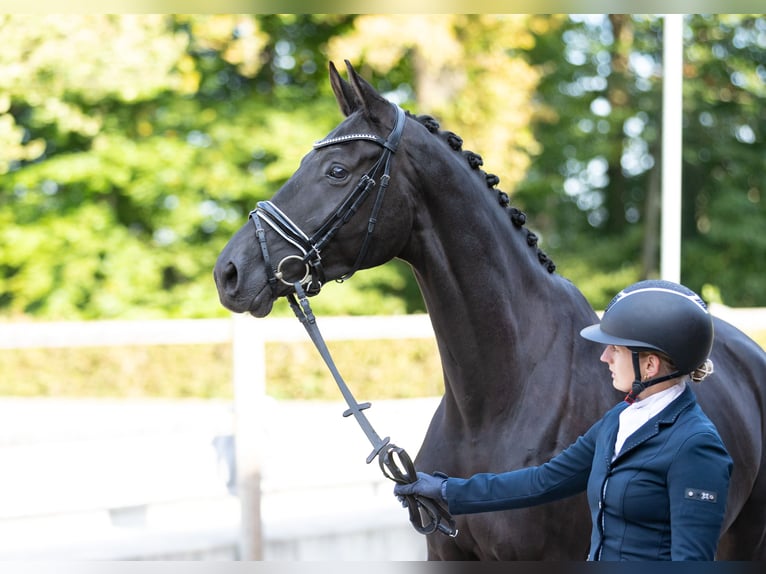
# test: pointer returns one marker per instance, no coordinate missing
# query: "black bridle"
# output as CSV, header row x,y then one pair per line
x,y
311,247
426,515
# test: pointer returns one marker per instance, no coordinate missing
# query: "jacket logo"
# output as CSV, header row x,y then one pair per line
x,y
702,495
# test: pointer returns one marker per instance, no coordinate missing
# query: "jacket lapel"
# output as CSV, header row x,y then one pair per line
x,y
666,417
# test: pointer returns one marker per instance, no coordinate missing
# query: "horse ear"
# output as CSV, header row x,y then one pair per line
x,y
344,93
367,96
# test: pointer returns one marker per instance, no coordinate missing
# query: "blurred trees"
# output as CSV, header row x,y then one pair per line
x,y
133,146
139,149
599,125
724,176
457,68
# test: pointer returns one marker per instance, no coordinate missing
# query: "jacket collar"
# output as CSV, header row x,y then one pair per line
x,y
667,416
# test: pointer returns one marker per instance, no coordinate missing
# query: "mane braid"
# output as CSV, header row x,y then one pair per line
x,y
518,217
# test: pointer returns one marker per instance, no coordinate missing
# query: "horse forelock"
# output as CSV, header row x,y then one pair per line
x,y
475,161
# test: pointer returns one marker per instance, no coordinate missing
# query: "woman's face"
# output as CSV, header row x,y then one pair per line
x,y
620,361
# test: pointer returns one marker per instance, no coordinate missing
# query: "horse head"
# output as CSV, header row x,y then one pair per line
x,y
325,222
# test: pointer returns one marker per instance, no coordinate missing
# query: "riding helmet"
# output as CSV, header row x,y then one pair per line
x,y
657,315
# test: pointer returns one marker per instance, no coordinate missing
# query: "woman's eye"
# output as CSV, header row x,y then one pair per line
x,y
337,172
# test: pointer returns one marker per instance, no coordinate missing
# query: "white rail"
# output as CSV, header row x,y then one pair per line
x,y
248,337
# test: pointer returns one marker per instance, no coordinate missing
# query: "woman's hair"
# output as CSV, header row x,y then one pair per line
x,y
697,375
705,369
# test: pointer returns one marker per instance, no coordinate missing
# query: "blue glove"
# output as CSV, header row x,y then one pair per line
x,y
427,485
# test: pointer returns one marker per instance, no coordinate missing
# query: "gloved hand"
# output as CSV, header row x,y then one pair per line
x,y
427,485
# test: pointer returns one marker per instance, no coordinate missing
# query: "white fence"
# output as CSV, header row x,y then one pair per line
x,y
267,528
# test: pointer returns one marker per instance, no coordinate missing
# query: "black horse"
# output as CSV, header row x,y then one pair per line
x,y
520,384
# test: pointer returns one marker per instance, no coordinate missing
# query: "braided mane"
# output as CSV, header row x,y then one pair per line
x,y
517,216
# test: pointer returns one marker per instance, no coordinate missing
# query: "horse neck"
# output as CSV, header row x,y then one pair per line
x,y
498,314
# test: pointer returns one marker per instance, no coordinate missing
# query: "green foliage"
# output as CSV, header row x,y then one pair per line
x,y
724,181
455,67
123,214
133,146
595,180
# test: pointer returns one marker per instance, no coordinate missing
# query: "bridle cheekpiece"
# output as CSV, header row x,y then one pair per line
x,y
310,247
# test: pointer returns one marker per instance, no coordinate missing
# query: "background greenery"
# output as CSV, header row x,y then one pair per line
x,y
373,370
133,146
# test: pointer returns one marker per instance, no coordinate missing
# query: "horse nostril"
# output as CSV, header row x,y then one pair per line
x,y
230,278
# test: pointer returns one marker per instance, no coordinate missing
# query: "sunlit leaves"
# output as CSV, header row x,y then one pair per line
x,y
235,38
129,57
462,73
139,150
603,101
133,146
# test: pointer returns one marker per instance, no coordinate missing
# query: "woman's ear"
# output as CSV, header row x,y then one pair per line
x,y
652,365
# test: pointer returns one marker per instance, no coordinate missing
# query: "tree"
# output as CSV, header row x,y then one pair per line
x,y
134,164
66,82
133,146
599,128
459,68
133,159
724,180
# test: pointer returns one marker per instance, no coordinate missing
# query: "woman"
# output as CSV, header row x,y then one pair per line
x,y
654,467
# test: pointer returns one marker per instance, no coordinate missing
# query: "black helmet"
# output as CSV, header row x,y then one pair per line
x,y
657,315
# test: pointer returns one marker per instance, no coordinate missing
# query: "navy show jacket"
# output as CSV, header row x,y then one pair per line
x,y
662,498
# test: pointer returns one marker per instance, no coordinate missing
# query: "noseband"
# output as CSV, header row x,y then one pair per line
x,y
311,247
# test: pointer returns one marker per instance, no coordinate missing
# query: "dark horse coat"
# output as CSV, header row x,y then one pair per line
x,y
520,384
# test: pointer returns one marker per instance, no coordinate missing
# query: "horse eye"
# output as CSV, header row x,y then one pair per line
x,y
337,172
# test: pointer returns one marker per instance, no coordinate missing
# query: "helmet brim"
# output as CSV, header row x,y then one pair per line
x,y
595,334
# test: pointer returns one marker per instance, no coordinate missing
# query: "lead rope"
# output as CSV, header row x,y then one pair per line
x,y
426,515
